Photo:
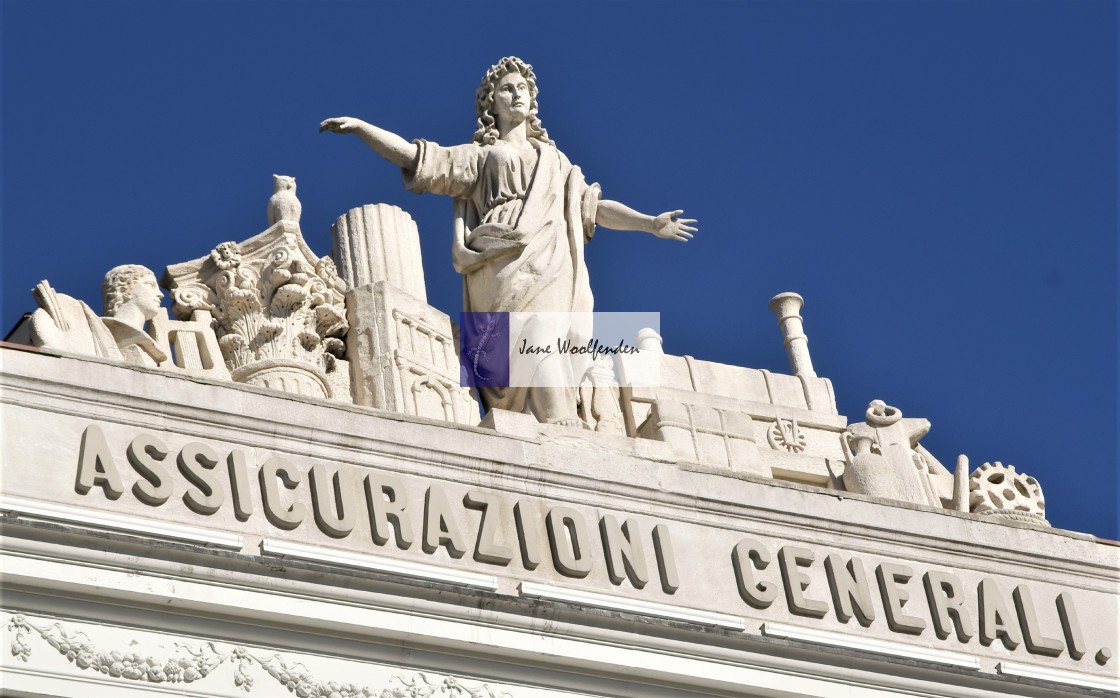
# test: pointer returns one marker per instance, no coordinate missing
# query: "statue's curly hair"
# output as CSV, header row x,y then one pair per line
x,y
116,289
487,132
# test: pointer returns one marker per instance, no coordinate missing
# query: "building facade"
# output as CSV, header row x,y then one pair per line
x,y
283,490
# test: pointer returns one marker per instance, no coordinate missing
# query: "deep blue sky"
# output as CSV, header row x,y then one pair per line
x,y
937,179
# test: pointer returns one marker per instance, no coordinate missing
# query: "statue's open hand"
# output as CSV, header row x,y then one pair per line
x,y
341,124
668,226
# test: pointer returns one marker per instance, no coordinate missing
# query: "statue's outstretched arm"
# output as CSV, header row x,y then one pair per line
x,y
385,143
612,214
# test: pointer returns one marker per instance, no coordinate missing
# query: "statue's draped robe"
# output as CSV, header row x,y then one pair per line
x,y
521,222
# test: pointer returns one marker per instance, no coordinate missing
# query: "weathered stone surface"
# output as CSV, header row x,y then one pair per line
x,y
711,411
379,243
710,381
717,437
404,356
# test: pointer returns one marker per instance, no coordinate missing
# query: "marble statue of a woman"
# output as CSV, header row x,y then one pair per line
x,y
523,215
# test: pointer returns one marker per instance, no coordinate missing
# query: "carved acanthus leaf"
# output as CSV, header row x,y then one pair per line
x,y
274,303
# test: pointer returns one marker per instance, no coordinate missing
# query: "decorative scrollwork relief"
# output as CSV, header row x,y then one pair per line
x,y
195,662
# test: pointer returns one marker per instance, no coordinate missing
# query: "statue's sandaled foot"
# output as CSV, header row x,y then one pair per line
x,y
576,423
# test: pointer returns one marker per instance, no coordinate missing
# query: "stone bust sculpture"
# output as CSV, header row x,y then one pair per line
x,y
131,298
523,213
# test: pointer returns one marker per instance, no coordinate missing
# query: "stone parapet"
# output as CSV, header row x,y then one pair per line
x,y
361,505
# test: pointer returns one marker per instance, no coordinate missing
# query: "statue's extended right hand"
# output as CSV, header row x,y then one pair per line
x,y
341,124
385,143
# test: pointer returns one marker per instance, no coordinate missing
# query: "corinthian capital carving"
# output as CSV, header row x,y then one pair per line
x,y
279,311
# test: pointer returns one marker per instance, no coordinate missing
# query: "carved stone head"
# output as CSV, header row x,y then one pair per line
x,y
131,291
283,183
487,132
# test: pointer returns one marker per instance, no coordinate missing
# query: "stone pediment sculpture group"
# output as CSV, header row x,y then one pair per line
x,y
268,312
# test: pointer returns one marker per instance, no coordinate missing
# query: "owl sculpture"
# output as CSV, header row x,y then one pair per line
x,y
283,204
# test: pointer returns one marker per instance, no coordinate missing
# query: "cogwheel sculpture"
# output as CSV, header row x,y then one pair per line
x,y
996,489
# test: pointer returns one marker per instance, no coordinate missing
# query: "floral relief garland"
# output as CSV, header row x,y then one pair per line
x,y
196,663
